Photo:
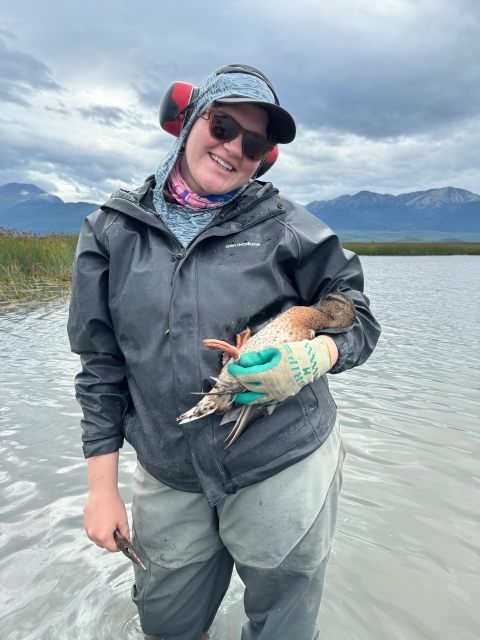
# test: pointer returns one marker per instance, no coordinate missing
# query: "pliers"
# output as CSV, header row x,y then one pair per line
x,y
127,548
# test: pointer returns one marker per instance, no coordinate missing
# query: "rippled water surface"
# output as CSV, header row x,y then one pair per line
x,y
405,561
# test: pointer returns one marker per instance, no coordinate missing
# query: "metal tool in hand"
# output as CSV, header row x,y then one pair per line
x,y
127,548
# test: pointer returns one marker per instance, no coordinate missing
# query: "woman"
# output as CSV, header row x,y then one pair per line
x,y
201,250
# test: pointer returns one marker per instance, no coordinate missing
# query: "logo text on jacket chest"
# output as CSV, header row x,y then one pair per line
x,y
242,244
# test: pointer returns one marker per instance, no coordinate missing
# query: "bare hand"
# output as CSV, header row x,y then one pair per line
x,y
104,512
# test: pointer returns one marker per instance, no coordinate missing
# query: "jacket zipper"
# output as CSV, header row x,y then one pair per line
x,y
177,256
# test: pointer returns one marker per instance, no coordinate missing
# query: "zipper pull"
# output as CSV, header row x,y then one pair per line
x,y
176,259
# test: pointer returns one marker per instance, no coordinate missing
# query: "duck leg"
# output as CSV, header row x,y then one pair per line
x,y
229,349
242,337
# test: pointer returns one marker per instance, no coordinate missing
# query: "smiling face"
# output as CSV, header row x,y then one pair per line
x,y
213,167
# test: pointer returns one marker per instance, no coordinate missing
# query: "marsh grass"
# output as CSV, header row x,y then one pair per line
x,y
413,248
39,268
35,267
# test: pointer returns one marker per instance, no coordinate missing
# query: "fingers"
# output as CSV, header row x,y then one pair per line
x,y
124,530
103,539
251,397
255,362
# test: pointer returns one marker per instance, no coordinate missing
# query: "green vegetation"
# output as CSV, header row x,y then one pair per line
x,y
413,248
34,267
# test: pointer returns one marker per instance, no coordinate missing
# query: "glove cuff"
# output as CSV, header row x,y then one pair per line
x,y
328,349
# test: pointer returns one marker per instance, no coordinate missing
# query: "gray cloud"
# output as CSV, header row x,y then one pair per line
x,y
375,69
22,75
57,107
84,166
389,69
108,116
119,117
325,164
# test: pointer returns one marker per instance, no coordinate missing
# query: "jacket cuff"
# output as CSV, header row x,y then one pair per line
x,y
101,447
342,346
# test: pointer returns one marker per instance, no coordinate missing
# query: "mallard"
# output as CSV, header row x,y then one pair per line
x,y
336,310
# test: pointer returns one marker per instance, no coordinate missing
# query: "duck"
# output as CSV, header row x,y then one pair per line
x,y
335,310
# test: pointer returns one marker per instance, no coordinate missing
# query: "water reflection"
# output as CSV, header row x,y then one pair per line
x,y
405,558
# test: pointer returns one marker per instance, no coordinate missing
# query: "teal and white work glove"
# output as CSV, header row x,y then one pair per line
x,y
278,372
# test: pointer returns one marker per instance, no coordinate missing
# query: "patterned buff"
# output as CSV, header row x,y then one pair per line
x,y
188,198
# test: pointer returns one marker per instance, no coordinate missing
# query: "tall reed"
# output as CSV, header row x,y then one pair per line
x,y
34,267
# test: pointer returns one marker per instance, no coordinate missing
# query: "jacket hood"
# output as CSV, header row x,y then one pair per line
x,y
214,87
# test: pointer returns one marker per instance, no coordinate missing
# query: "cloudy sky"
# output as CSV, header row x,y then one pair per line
x,y
386,93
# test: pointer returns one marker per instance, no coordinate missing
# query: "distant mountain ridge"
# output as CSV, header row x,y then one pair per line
x,y
26,207
447,210
15,193
446,213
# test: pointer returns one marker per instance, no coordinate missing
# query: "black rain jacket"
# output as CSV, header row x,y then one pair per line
x,y
142,304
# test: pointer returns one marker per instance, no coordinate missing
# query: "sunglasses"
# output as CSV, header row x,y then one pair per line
x,y
225,128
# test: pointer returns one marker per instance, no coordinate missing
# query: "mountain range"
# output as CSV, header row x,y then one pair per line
x,y
26,207
447,213
447,210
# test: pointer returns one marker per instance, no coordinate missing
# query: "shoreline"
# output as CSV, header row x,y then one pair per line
x,y
413,248
39,268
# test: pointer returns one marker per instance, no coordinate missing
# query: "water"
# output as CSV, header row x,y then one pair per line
x,y
405,562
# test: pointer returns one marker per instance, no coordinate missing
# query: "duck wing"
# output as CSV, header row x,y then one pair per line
x,y
248,414
245,416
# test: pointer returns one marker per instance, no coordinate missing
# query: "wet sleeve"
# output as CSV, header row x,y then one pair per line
x,y
101,386
324,267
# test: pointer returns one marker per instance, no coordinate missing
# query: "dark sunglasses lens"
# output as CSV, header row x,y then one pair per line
x,y
223,127
254,147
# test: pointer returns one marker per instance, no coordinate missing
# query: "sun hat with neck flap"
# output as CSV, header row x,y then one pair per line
x,y
227,85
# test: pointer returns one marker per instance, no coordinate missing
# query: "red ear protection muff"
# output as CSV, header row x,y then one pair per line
x,y
174,110
268,162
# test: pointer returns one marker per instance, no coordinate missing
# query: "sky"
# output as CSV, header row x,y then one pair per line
x,y
386,94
